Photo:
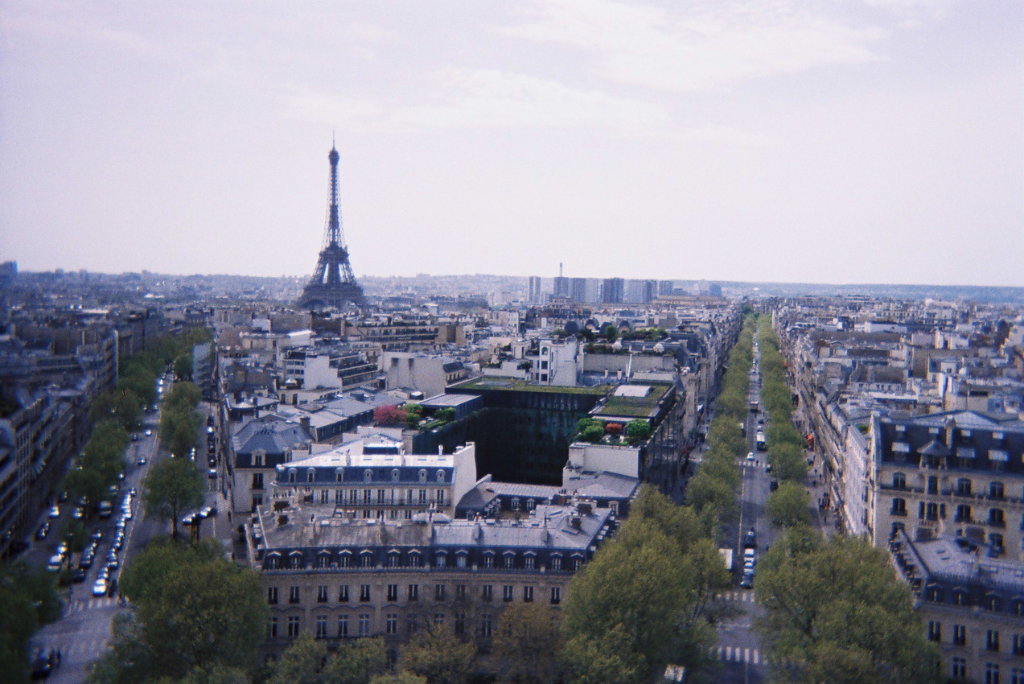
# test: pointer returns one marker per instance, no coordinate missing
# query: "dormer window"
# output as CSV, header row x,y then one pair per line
x,y
440,476
367,475
310,475
394,475
291,475
339,475
423,476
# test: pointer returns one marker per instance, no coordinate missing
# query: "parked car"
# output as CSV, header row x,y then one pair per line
x,y
54,512
78,575
750,539
142,460
748,579
773,485
43,530
148,433
99,587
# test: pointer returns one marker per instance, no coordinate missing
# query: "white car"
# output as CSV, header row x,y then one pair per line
x,y
149,433
750,456
99,587
54,512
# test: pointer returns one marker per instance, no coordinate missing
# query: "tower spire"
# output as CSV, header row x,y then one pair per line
x,y
332,284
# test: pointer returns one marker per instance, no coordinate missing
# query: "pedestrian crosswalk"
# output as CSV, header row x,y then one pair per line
x,y
752,464
737,654
744,596
92,604
79,650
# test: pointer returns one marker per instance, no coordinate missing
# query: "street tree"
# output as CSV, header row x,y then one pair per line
x,y
789,505
302,662
526,641
438,656
183,366
172,487
400,677
835,611
356,663
29,600
638,581
192,609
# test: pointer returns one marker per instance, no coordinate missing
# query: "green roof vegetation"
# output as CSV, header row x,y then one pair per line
x,y
634,407
517,385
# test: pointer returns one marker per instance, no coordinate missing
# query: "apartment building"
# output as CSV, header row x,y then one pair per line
x,y
957,474
372,477
972,606
338,578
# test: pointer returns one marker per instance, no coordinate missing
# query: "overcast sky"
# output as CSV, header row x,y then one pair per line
x,y
837,141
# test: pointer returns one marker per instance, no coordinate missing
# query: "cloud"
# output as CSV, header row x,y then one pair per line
x,y
461,98
700,46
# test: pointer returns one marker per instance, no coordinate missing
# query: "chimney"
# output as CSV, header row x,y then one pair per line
x,y
304,422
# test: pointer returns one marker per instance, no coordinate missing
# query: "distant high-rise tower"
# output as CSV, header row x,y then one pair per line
x,y
535,296
613,291
332,284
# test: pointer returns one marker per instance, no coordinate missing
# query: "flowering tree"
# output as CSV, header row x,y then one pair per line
x,y
390,414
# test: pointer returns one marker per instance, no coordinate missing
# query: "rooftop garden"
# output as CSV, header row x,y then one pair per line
x,y
633,407
516,385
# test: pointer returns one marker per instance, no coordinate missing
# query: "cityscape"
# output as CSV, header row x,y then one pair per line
x,y
567,454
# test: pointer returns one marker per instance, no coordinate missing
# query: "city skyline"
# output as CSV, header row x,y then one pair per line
x,y
874,142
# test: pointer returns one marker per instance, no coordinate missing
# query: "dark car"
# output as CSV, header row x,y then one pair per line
x,y
750,539
773,485
78,575
43,530
748,580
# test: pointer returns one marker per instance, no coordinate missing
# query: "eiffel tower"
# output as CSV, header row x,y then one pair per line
x,y
332,284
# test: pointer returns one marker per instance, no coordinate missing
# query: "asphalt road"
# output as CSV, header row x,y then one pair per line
x,y
738,648
84,629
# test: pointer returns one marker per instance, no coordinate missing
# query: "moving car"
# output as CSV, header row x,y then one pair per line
x,y
142,460
750,456
54,512
149,433
750,539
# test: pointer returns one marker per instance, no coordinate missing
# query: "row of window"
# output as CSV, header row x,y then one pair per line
x,y
936,511
991,638
339,475
412,593
384,497
964,486
345,626
414,559
959,671
961,597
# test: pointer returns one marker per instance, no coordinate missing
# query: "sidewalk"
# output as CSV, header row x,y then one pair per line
x,y
822,520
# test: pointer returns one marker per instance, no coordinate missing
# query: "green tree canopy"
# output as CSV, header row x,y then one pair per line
x,y
29,600
836,612
173,486
526,641
192,610
638,431
789,505
439,657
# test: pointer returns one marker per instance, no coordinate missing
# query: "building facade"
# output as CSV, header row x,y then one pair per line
x,y
956,474
339,579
